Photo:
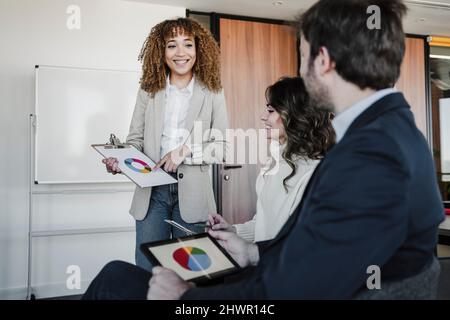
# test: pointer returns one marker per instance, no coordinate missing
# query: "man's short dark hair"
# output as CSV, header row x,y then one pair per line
x,y
369,58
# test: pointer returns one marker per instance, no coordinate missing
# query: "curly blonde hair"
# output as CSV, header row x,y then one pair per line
x,y
154,68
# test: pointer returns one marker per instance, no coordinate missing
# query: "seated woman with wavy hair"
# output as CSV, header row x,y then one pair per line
x,y
300,136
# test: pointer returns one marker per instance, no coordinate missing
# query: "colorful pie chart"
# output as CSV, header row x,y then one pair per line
x,y
137,165
191,258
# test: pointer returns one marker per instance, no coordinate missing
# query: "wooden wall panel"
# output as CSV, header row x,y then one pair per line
x,y
254,55
412,80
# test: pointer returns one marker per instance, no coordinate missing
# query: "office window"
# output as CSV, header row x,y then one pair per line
x,y
203,18
440,100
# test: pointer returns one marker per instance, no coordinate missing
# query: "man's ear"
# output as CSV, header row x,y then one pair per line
x,y
323,61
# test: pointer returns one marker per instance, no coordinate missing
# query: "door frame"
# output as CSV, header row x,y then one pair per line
x,y
428,106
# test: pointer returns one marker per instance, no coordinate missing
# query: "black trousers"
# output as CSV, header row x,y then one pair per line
x,y
119,280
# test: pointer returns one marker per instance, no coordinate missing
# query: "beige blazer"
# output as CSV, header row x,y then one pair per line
x,y
195,192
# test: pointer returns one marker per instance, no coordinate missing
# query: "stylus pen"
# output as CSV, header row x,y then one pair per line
x,y
201,224
179,226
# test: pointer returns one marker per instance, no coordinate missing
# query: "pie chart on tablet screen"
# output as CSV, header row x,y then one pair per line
x,y
191,258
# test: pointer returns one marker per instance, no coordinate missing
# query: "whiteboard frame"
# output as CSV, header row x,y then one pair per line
x,y
35,116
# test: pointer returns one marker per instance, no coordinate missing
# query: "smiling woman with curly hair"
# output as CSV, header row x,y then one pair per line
x,y
155,70
180,86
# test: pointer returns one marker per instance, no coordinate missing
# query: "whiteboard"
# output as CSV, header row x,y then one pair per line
x,y
75,108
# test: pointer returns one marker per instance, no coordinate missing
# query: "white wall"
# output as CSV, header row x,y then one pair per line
x,y
34,32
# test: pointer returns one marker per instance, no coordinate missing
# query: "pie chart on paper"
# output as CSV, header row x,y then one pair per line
x,y
141,167
192,259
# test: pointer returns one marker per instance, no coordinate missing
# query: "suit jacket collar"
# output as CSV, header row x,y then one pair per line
x,y
159,107
343,120
385,104
195,105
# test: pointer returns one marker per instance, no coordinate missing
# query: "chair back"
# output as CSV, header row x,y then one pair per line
x,y
423,286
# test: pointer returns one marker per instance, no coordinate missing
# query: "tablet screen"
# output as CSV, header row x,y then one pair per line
x,y
197,257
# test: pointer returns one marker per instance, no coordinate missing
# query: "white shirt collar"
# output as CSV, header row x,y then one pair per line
x,y
342,121
276,149
188,89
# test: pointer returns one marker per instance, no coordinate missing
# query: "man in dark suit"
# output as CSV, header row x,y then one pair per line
x,y
373,202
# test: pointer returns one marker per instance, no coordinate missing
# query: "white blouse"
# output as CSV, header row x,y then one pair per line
x,y
177,107
274,205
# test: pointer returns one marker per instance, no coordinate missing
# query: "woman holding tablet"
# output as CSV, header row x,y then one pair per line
x,y
180,88
300,136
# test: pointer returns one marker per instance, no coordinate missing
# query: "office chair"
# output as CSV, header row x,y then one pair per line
x,y
444,281
423,286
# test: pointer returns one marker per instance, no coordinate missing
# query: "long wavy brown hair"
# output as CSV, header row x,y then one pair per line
x,y
309,133
154,68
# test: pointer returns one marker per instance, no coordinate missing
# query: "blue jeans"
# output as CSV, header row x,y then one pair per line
x,y
163,205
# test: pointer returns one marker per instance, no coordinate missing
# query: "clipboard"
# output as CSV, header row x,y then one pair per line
x,y
134,164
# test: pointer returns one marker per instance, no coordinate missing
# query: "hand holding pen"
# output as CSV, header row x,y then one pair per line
x,y
217,222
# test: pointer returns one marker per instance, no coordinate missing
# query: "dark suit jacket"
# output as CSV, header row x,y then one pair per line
x,y
373,200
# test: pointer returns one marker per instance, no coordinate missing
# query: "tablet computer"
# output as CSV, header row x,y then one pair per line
x,y
197,258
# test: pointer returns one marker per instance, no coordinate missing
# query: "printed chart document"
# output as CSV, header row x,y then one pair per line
x,y
136,166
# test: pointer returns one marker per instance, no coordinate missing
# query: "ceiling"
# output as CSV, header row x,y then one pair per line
x,y
424,17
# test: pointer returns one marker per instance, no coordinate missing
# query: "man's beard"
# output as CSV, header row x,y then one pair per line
x,y
319,95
